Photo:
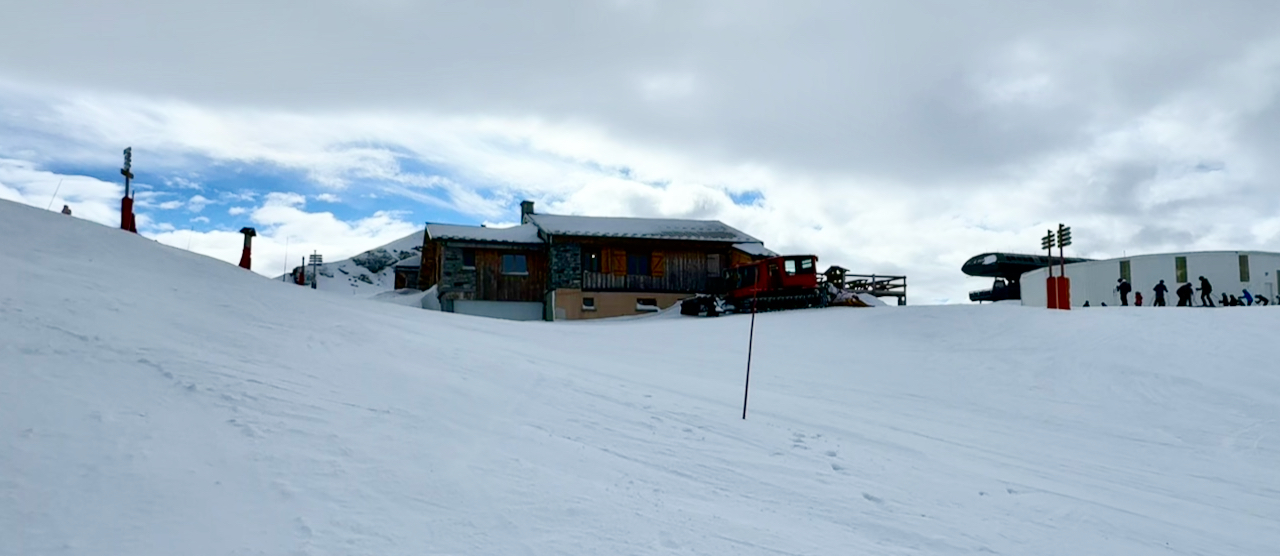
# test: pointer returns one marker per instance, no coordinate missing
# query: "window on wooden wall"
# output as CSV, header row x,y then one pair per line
x,y
592,259
647,304
713,264
468,258
515,265
1244,268
1180,269
588,304
638,263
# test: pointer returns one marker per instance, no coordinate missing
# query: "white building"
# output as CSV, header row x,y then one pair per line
x,y
1229,272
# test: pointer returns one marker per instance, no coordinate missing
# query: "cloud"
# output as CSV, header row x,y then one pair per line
x,y
197,203
180,182
885,138
170,205
237,211
89,198
286,231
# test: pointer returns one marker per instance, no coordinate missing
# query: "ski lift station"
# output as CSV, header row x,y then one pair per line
x,y
1229,272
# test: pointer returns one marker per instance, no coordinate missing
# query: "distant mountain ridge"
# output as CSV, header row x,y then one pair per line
x,y
370,272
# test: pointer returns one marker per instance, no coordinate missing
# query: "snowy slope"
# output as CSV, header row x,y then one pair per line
x,y
154,401
370,272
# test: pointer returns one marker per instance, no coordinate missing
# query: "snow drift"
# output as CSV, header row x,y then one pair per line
x,y
154,401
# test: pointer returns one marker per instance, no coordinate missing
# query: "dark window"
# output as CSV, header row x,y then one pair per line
x,y
1180,267
514,264
806,267
1244,268
468,258
637,263
1124,271
742,277
591,260
646,304
588,304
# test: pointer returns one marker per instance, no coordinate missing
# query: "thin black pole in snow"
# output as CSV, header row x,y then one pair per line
x,y
751,338
55,195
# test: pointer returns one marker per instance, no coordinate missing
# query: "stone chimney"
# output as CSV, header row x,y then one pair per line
x,y
526,208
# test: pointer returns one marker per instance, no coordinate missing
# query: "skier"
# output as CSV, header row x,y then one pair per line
x,y
1161,289
1184,295
1124,289
1248,298
1206,289
1137,299
66,210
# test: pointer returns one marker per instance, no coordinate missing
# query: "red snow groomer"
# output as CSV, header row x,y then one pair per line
x,y
773,284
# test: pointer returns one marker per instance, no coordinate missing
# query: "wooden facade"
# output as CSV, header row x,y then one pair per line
x,y
429,273
673,266
474,271
669,271
492,284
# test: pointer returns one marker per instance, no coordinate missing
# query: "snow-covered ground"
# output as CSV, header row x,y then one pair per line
x,y
154,401
368,274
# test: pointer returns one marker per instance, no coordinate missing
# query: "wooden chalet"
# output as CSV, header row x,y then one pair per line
x,y
559,267
495,272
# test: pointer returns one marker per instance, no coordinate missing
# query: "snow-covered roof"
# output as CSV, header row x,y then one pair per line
x,y
643,228
414,262
755,249
525,233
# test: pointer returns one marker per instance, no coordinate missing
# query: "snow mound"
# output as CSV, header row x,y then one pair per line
x,y
871,300
411,297
152,398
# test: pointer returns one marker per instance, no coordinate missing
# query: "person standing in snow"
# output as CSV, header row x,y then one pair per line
x,y
1124,289
1206,291
1161,289
1184,295
1137,299
66,210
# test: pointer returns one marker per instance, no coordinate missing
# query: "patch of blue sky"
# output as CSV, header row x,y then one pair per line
x,y
746,198
1210,166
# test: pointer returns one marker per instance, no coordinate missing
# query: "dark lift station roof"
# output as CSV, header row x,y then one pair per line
x,y
1007,269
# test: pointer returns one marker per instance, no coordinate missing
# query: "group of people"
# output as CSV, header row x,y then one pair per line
x,y
1185,293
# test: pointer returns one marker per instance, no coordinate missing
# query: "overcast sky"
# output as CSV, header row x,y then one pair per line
x,y
886,137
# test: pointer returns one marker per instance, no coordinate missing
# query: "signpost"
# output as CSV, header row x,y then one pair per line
x,y
1064,283
126,204
1051,283
316,259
